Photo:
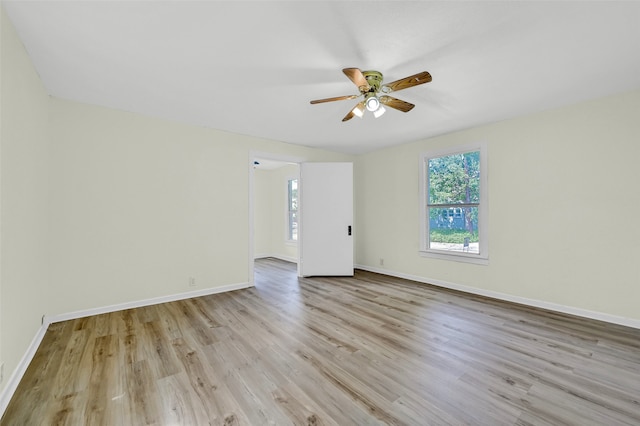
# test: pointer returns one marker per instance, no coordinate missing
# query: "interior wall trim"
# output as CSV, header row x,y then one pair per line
x,y
571,310
276,256
16,376
138,304
18,373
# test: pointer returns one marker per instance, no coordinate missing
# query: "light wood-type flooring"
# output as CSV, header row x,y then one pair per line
x,y
332,351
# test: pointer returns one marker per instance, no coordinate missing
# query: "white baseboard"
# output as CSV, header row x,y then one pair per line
x,y
277,256
16,376
138,304
584,313
18,373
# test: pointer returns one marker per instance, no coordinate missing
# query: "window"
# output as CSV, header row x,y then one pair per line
x,y
292,209
453,204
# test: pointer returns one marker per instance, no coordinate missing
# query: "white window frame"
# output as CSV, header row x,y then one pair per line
x,y
287,223
481,258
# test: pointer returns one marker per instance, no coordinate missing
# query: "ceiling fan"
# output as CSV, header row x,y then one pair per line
x,y
370,84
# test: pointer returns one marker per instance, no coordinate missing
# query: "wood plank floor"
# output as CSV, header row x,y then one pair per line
x,y
332,351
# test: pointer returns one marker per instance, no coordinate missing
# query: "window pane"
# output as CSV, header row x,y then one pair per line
x,y
454,229
454,179
293,228
293,209
293,194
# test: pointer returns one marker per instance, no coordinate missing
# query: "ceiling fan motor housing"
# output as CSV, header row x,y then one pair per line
x,y
374,78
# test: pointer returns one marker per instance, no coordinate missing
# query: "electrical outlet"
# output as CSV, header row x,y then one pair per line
x,y
192,282
381,262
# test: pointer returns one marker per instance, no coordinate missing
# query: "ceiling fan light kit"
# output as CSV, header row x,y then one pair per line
x,y
378,112
358,110
369,84
372,102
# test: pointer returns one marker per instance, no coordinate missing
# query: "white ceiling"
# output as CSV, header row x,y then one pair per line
x,y
252,67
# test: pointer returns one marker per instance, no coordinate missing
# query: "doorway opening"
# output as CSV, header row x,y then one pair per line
x,y
322,227
274,184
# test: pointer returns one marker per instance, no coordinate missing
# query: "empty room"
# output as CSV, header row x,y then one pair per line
x,y
319,212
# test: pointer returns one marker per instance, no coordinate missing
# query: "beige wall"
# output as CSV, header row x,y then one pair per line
x,y
24,168
262,212
139,205
562,207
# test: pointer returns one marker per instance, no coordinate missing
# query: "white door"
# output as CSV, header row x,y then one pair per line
x,y
326,219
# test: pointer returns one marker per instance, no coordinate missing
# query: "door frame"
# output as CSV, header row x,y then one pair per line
x,y
253,156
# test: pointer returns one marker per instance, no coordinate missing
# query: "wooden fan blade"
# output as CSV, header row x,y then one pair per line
x,y
395,103
352,113
404,83
357,77
348,116
337,98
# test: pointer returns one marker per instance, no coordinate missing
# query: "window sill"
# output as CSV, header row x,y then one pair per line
x,y
455,257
